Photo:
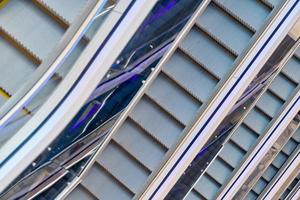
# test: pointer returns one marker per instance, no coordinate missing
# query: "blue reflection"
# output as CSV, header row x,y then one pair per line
x,y
159,12
122,81
88,113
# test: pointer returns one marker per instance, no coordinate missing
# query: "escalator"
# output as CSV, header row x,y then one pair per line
x,y
205,57
272,101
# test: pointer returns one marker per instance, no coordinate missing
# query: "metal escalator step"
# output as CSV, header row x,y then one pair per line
x,y
259,186
207,51
146,149
103,186
20,19
44,7
80,193
282,86
244,136
239,145
274,3
219,170
252,12
158,123
191,75
207,187
272,91
130,155
193,195
251,196
2,100
296,136
292,69
200,28
10,80
123,167
164,109
289,147
257,120
204,57
269,103
25,47
20,47
147,132
297,54
173,98
264,111
222,26
288,77
279,160
232,154
181,85
68,9
270,173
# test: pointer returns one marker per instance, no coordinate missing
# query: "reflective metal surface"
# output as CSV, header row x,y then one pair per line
x,y
224,130
11,126
55,167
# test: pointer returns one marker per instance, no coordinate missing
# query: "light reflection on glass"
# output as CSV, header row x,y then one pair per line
x,y
90,126
224,130
23,115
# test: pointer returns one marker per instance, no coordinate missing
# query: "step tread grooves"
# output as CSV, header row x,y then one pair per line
x,y
148,149
187,90
292,69
20,47
122,167
213,37
173,99
157,122
229,33
206,68
163,109
129,154
191,75
235,16
94,183
52,13
25,15
267,3
148,132
207,51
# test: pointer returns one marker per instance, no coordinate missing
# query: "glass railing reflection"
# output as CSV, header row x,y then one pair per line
x,y
90,126
224,130
12,125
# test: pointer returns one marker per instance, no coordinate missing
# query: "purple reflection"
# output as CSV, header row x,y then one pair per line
x,y
88,113
160,12
139,67
134,77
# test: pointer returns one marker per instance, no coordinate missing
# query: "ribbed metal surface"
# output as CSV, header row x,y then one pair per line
x,y
293,186
275,166
32,34
247,134
185,83
29,30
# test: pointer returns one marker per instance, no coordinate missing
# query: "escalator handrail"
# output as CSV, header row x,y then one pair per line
x,y
52,64
74,90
